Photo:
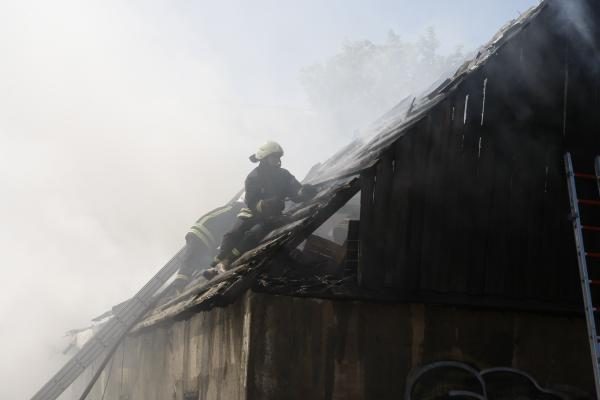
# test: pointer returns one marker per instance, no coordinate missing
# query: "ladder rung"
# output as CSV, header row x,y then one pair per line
x,y
593,255
585,176
590,228
589,202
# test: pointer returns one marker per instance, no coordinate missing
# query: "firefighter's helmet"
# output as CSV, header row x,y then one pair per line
x,y
266,150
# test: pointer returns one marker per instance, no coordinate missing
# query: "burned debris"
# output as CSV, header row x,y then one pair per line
x,y
442,237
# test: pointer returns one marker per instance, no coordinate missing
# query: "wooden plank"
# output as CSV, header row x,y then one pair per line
x,y
434,255
497,165
417,202
494,173
462,199
549,241
496,262
454,216
474,186
529,177
381,215
398,234
503,111
538,273
485,186
516,220
366,277
426,200
535,142
352,248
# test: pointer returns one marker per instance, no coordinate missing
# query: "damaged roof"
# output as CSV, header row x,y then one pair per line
x,y
337,180
226,287
365,151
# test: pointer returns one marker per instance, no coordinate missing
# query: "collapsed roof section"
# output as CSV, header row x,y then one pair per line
x,y
337,181
225,288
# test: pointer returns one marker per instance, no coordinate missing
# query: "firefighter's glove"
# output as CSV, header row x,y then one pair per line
x,y
307,192
270,207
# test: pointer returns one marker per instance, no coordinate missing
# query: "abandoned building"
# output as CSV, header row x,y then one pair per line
x,y
437,260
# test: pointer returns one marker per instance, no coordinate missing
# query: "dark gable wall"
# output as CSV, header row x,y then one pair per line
x,y
473,209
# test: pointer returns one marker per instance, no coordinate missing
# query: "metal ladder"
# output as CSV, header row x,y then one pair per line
x,y
583,256
107,339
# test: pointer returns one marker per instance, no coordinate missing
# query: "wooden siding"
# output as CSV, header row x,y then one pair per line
x,y
471,202
267,347
203,357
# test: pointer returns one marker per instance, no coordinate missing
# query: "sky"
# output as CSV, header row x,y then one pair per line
x,y
121,122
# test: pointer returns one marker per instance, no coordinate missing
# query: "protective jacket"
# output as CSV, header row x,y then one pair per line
x,y
202,242
267,188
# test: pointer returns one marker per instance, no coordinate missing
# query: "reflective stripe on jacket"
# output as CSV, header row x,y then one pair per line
x,y
211,227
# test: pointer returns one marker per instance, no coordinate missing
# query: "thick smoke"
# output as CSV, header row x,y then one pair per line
x,y
118,127
365,79
117,130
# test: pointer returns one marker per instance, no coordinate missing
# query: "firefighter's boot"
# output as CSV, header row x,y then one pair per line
x,y
218,269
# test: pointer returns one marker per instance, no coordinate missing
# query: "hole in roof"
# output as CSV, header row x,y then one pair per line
x,y
327,245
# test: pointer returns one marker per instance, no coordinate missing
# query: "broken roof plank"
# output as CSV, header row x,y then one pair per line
x,y
226,288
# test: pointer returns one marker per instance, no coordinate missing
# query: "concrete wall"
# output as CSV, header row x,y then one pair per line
x,y
276,347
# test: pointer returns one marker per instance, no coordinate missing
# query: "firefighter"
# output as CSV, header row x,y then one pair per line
x,y
267,188
202,242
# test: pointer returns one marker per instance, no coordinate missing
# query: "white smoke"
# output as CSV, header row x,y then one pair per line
x,y
119,125
578,14
118,128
